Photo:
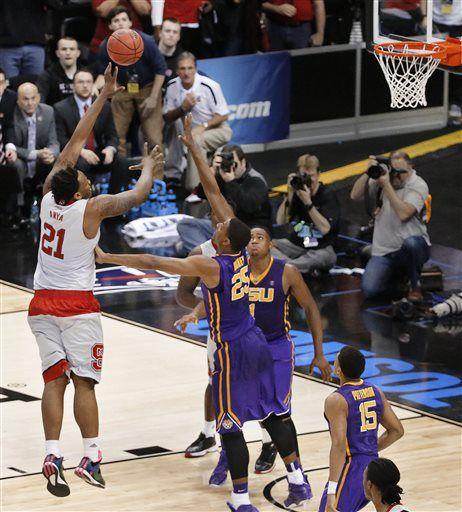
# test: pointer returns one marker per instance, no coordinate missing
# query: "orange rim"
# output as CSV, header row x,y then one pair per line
x,y
405,49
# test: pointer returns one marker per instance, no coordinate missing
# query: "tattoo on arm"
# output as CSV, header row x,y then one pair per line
x,y
111,206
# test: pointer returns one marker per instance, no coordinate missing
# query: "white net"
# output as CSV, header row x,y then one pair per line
x,y
407,71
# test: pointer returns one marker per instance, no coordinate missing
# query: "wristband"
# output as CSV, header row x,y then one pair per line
x,y
332,487
310,207
182,110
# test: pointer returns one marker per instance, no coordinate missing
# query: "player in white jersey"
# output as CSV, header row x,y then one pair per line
x,y
380,481
64,315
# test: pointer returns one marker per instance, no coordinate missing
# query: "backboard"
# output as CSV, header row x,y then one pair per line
x,y
411,20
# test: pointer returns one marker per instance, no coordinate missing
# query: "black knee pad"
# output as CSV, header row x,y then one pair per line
x,y
237,454
280,434
291,426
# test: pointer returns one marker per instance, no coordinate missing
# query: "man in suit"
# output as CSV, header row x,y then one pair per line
x,y
100,153
8,155
36,143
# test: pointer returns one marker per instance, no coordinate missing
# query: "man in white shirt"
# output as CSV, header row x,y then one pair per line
x,y
203,97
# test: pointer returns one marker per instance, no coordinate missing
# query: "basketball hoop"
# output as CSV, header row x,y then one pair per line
x,y
407,66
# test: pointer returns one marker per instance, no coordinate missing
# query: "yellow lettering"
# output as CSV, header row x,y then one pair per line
x,y
240,282
238,263
361,394
261,294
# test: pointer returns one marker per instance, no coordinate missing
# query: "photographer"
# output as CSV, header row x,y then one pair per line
x,y
243,187
400,241
313,211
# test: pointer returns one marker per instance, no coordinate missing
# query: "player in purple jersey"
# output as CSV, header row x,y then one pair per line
x,y
380,483
243,380
272,283
354,412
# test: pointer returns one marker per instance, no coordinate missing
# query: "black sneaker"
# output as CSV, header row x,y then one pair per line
x,y
201,446
266,460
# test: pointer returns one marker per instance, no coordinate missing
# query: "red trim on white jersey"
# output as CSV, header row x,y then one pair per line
x,y
62,303
396,507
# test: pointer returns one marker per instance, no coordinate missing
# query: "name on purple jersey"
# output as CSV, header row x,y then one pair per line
x,y
361,394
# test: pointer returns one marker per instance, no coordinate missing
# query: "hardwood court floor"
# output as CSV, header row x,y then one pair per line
x,y
151,396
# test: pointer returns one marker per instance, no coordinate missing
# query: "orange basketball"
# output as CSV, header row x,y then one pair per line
x,y
125,47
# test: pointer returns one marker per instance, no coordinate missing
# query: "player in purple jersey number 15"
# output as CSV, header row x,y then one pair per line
x,y
354,412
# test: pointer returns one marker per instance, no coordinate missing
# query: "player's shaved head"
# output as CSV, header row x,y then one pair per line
x,y
351,362
28,98
238,234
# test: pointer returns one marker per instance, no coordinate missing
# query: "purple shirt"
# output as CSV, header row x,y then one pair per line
x,y
365,410
268,303
227,305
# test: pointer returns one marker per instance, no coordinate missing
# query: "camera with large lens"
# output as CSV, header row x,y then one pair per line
x,y
300,180
227,161
383,166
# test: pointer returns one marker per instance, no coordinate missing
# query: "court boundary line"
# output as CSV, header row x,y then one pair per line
x,y
179,452
298,374
11,312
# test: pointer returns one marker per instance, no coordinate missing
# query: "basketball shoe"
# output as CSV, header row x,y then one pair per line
x,y
201,446
242,508
298,494
90,471
266,459
53,471
220,473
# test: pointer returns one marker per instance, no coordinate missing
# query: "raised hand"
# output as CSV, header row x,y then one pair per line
x,y
187,136
155,159
110,87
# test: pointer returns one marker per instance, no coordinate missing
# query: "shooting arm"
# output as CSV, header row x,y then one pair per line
x,y
142,8
336,412
393,427
103,9
281,214
71,152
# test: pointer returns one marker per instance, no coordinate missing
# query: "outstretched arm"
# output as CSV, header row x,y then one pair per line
x,y
206,268
185,292
294,283
218,203
71,152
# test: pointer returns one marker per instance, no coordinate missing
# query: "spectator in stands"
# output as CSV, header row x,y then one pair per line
x,y
187,13
244,188
402,17
36,143
57,82
295,24
138,9
169,47
100,152
143,85
313,211
447,18
203,97
400,242
22,36
8,155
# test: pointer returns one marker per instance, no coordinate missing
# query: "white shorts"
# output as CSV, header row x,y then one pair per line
x,y
69,344
211,348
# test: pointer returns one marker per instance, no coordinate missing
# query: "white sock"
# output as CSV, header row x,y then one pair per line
x,y
52,448
91,448
295,477
265,437
209,428
240,499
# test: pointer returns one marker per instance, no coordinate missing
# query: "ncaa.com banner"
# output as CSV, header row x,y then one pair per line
x,y
257,89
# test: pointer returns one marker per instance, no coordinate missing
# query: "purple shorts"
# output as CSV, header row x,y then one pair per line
x,y
243,382
350,493
282,352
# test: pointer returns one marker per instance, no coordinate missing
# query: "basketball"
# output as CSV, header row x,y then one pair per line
x,y
125,47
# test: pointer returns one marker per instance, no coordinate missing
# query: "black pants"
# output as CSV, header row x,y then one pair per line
x,y
118,169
